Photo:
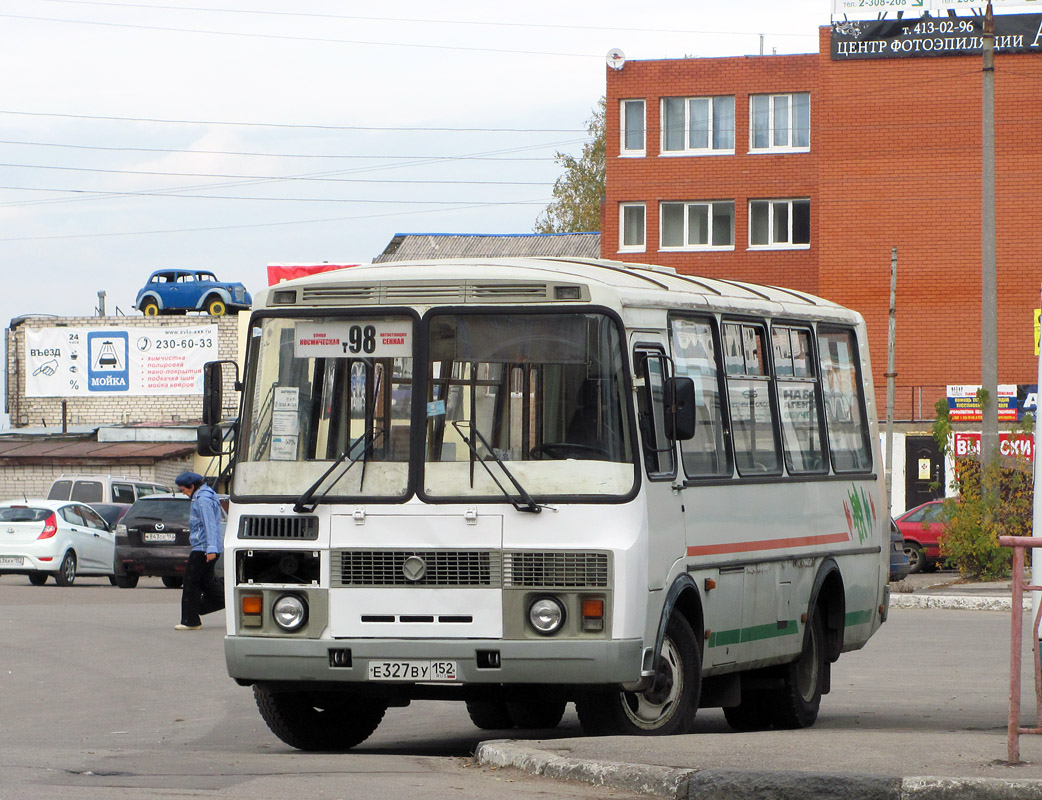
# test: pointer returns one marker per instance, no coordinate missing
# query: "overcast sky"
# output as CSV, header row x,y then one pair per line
x,y
192,133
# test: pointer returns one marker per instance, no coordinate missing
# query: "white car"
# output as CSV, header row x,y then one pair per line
x,y
54,537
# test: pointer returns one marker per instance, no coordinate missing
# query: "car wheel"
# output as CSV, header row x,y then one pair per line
x,y
666,707
66,574
128,581
173,581
535,714
796,702
150,309
916,557
215,307
37,578
490,715
319,720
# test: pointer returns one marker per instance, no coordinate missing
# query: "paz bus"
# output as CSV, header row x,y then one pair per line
x,y
520,483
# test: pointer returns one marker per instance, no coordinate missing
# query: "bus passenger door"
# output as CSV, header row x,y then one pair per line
x,y
665,510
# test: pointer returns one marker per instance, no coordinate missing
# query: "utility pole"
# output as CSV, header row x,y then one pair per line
x,y
891,376
989,295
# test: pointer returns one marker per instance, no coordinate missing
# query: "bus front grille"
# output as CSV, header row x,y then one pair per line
x,y
278,527
555,570
404,568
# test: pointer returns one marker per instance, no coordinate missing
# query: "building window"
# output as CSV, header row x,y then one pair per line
x,y
776,224
632,127
779,122
697,226
698,124
631,227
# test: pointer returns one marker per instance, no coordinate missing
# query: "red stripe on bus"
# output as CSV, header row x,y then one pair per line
x,y
767,544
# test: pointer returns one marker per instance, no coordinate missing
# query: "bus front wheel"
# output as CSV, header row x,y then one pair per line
x,y
666,707
319,720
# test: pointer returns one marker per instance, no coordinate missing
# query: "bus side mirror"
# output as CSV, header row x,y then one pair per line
x,y
209,440
212,393
679,397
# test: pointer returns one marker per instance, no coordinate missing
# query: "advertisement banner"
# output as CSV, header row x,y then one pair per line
x,y
1021,444
933,36
84,362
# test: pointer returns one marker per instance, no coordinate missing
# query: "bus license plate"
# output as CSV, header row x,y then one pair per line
x,y
412,670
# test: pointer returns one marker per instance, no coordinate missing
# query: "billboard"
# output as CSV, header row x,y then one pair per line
x,y
99,362
933,36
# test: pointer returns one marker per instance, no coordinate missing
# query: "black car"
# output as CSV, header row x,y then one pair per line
x,y
152,539
899,566
112,513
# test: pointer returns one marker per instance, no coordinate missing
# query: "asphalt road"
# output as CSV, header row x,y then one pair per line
x,y
100,698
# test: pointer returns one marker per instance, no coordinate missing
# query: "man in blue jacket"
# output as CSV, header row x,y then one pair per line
x,y
202,593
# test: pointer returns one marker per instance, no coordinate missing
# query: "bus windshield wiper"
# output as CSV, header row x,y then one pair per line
x,y
528,504
368,440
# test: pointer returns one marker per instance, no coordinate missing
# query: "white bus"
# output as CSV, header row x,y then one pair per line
x,y
526,482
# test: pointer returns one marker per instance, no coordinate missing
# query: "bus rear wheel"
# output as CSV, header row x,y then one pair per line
x,y
796,702
666,707
318,721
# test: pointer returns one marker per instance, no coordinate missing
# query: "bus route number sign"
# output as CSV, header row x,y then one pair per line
x,y
355,338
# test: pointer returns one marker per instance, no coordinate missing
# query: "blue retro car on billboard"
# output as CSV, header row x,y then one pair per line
x,y
175,291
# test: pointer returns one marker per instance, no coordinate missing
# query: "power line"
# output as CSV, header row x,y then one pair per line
x,y
290,125
273,177
480,23
283,37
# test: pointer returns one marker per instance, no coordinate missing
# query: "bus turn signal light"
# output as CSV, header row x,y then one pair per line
x,y
593,614
252,606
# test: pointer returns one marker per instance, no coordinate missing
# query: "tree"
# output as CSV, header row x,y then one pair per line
x,y
579,191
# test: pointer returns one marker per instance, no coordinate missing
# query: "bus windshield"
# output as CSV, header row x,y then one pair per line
x,y
540,390
528,394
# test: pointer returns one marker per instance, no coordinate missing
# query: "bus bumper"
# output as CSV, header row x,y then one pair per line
x,y
256,659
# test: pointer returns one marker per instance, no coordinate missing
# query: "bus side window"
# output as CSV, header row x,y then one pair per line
x,y
659,452
753,432
844,401
693,342
799,400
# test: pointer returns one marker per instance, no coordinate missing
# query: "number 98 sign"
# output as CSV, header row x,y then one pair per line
x,y
353,339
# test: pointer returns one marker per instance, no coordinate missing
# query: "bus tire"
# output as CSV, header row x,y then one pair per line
x,y
490,715
319,720
796,702
536,714
667,707
754,713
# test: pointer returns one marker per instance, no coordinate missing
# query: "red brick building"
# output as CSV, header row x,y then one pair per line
x,y
804,171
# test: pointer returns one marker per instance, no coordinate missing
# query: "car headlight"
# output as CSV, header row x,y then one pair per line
x,y
546,615
290,612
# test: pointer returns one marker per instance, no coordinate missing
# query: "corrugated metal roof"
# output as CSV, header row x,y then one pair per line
x,y
419,246
42,449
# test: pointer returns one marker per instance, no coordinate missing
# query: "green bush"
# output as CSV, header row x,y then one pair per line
x,y
976,518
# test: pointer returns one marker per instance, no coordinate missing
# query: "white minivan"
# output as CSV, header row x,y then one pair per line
x,y
103,489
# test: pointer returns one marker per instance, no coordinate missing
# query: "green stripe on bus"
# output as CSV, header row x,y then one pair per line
x,y
753,634
858,617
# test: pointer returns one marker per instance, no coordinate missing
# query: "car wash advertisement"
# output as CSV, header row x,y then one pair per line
x,y
80,362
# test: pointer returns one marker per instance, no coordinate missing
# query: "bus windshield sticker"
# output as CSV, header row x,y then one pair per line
x,y
356,338
436,408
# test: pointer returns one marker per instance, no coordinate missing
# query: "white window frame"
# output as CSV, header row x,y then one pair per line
x,y
632,248
624,151
687,204
687,150
772,131
771,205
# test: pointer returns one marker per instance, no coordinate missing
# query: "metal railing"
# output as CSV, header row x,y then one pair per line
x,y
1019,544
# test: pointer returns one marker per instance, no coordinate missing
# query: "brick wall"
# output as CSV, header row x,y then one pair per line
x,y
895,161
110,409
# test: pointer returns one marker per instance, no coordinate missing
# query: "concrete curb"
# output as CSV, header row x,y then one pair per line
x,y
963,602
713,784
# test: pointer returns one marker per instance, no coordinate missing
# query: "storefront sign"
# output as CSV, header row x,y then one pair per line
x,y
1021,444
81,362
933,36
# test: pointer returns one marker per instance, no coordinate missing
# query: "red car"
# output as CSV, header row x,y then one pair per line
x,y
921,527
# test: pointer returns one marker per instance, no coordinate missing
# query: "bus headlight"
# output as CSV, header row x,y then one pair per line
x,y
546,615
290,612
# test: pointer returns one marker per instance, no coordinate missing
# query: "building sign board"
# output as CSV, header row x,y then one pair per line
x,y
1014,402
874,8
1010,444
933,36
84,362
